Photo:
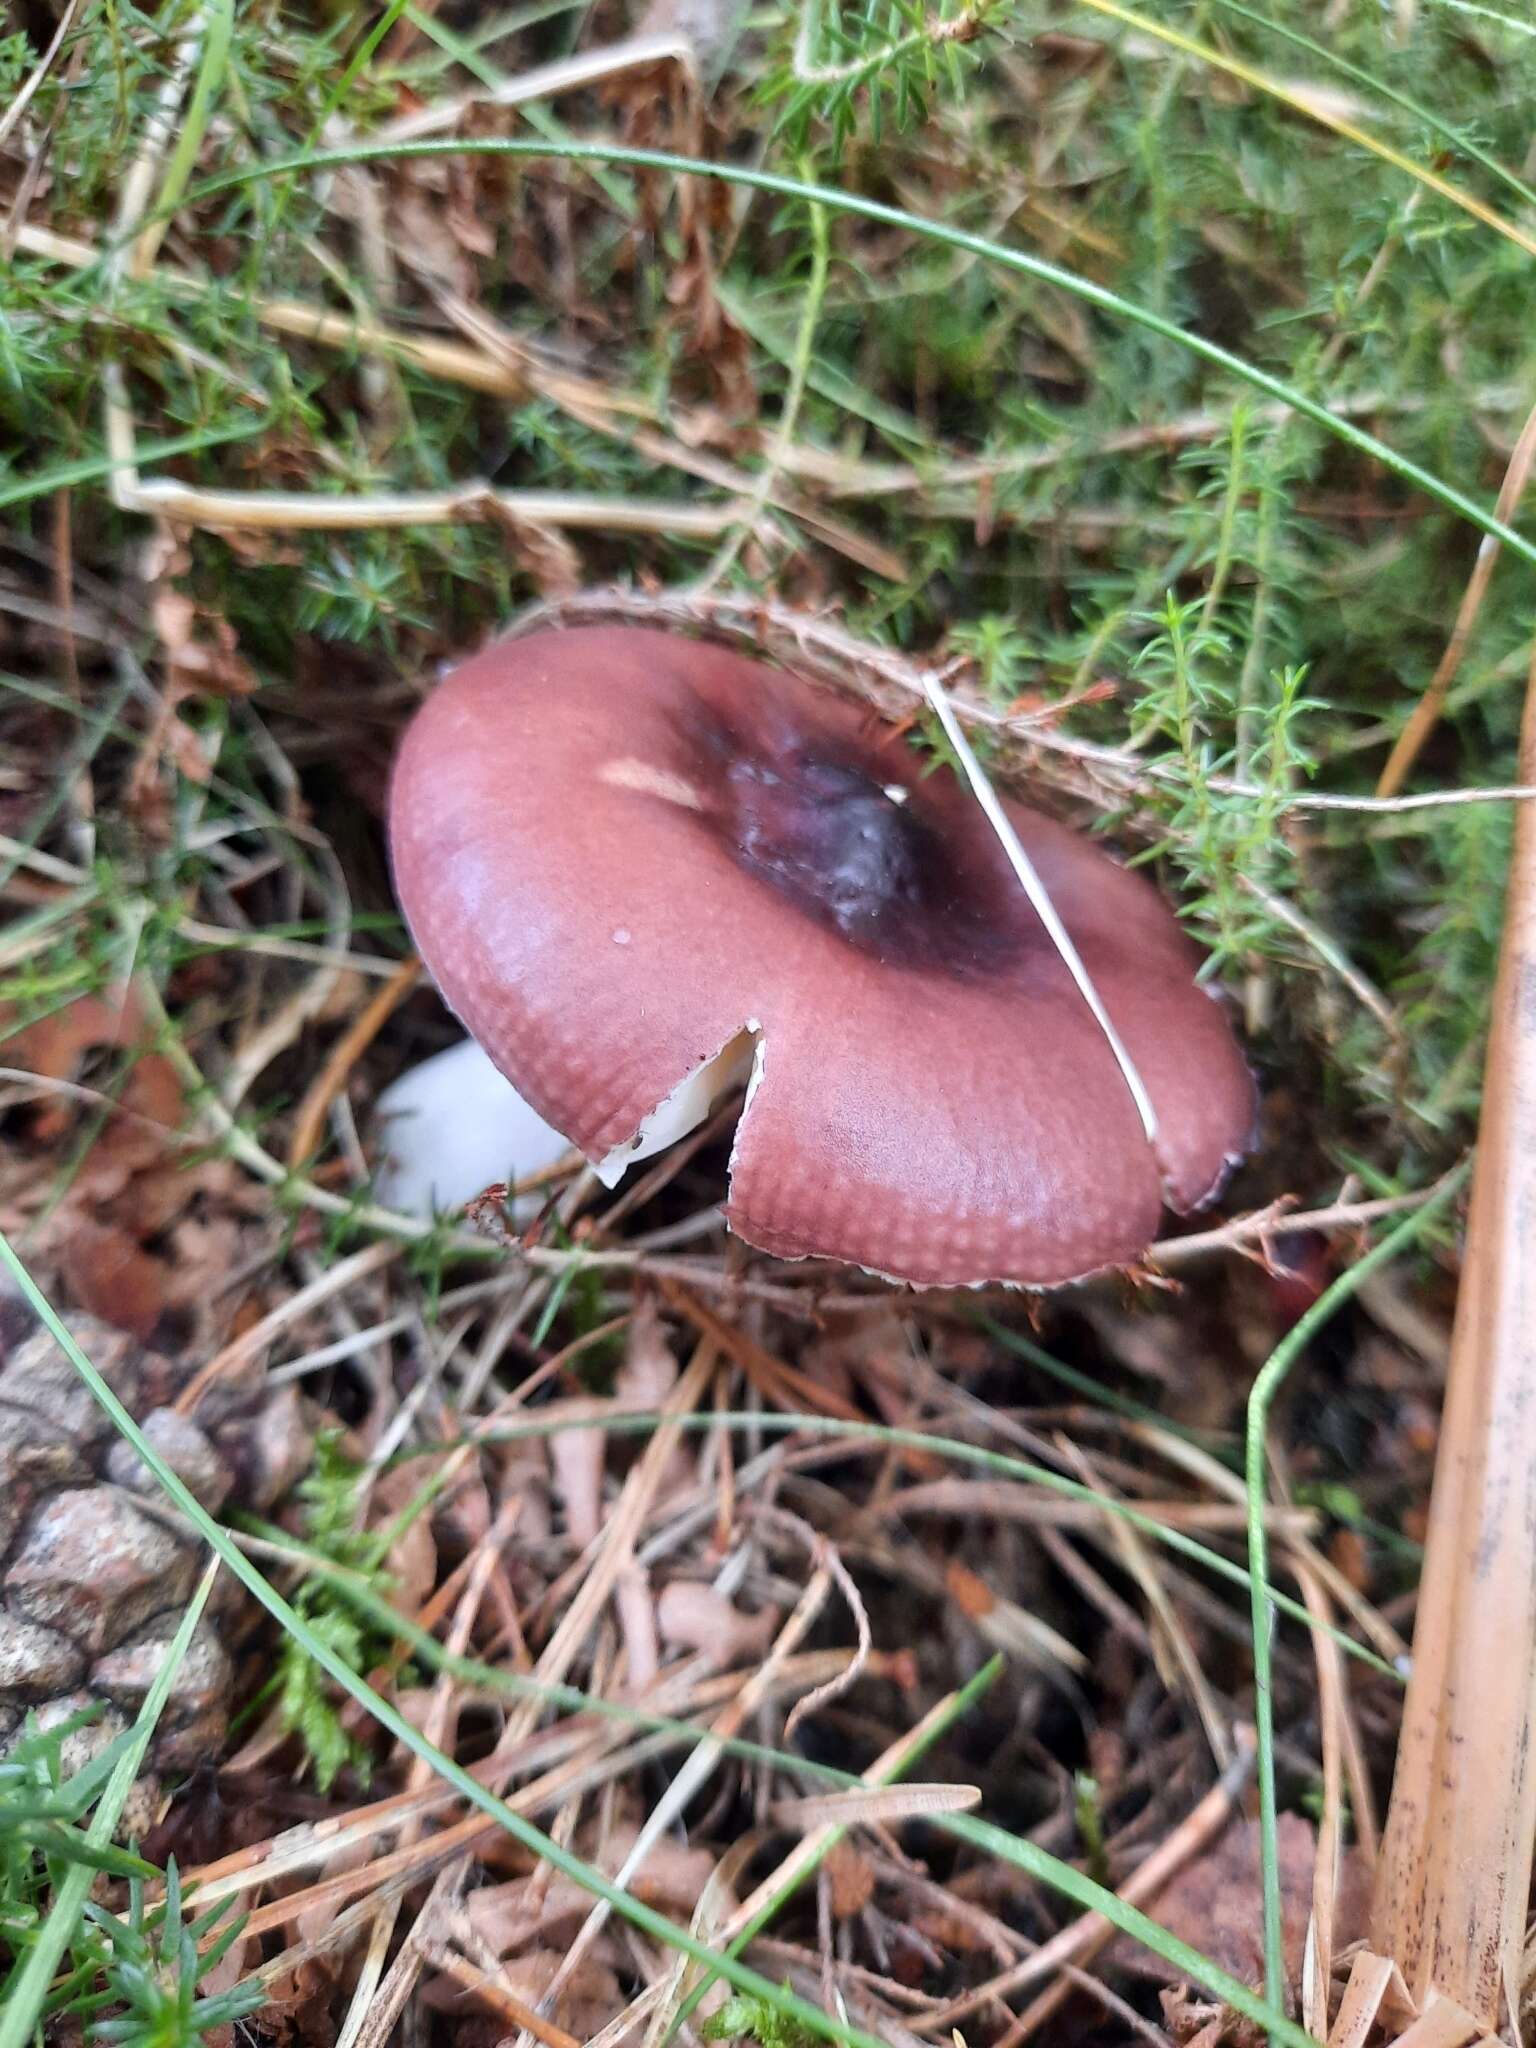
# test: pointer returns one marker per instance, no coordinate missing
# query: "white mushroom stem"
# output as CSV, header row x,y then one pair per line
x,y
452,1125
1039,897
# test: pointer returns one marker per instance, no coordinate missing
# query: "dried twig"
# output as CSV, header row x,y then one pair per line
x,y
1133,1552
820,646
1426,712
326,512
565,74
344,1055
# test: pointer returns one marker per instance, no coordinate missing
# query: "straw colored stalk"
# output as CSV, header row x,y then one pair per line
x,y
1455,1870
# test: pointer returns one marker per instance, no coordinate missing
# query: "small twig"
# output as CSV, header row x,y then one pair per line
x,y
825,1557
1003,1622
1254,1233
29,1087
307,952
879,1806
1333,957
847,477
252,1342
758,1908
831,652
605,1752
1266,1386
701,1761
1209,1471
496,1994
288,1020
1426,712
1039,898
343,1057
322,512
442,1718
1317,1977
621,416
307,1846
544,81
1133,1554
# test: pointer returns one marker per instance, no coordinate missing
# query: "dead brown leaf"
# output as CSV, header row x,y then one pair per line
x,y
129,1184
1216,1904
852,1878
663,109
111,1276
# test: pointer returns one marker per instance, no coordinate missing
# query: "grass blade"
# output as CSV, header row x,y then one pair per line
x,y
1465,145
64,475
1000,1462
982,1834
868,1789
213,64
539,1844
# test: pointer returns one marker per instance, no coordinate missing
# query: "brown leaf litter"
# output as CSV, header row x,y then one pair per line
x,y
104,1170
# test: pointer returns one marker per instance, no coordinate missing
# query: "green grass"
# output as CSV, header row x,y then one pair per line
x,y
64,1955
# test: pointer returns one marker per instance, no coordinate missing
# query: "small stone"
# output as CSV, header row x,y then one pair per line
x,y
35,1456
201,1683
84,1744
195,1742
17,1321
36,1662
143,1807
39,1376
270,1450
185,1449
94,1565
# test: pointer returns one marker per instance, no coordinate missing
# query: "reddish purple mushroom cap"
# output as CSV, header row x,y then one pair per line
x,y
618,850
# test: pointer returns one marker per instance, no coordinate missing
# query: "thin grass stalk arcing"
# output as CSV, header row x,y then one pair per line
x,y
1455,1870
857,206
1039,899
542,1846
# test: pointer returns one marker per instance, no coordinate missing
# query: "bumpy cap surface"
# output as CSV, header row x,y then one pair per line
x,y
618,848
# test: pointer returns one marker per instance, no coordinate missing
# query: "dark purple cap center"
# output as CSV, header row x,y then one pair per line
x,y
856,852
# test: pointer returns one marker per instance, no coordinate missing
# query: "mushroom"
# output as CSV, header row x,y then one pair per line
x,y
453,1123
641,867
